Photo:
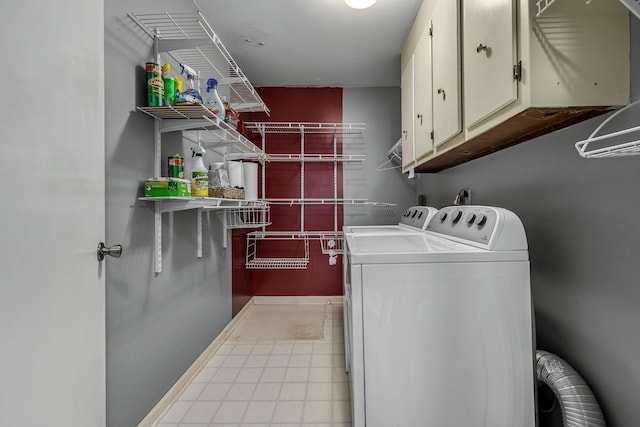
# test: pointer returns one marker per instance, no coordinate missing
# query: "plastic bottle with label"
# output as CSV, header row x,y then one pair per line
x,y
213,101
169,85
199,177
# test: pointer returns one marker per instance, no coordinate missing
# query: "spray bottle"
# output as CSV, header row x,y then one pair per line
x,y
169,85
199,178
213,101
179,88
189,95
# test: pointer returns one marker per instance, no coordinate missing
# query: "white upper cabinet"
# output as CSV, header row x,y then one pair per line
x,y
423,113
489,52
406,93
445,40
503,74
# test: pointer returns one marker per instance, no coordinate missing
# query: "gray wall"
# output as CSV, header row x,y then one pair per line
x,y
157,325
379,109
581,218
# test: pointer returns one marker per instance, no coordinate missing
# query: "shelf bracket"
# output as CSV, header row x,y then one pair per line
x,y
157,241
199,231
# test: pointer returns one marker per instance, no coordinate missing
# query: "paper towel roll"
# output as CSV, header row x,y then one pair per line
x,y
235,174
250,180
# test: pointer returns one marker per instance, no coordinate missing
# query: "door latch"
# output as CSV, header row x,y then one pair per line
x,y
114,251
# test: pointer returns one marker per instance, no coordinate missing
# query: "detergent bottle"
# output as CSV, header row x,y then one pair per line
x,y
190,95
199,177
213,101
169,85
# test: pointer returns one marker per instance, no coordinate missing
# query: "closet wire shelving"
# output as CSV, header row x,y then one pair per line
x,y
188,38
630,148
632,5
331,241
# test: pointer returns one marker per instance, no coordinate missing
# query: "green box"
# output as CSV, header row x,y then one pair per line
x,y
167,187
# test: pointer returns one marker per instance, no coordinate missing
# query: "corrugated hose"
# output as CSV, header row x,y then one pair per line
x,y
579,407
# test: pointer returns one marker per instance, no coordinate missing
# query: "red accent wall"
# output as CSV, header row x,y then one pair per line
x,y
283,180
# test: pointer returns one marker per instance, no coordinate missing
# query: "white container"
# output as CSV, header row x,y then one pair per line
x,y
234,170
250,180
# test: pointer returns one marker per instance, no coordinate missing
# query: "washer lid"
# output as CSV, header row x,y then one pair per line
x,y
414,219
377,229
419,248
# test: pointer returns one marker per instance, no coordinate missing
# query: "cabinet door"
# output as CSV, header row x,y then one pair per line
x,y
445,41
406,93
489,53
423,108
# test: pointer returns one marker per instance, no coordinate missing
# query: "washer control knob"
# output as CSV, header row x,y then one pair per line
x,y
480,220
470,218
456,216
414,214
443,216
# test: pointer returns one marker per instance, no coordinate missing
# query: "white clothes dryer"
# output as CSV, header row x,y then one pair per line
x,y
441,328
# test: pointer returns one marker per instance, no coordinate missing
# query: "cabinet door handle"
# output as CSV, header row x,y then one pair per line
x,y
420,117
482,47
444,95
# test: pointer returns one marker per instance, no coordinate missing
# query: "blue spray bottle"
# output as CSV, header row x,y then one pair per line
x,y
213,101
189,95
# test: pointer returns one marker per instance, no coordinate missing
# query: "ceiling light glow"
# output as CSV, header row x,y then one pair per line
x,y
360,4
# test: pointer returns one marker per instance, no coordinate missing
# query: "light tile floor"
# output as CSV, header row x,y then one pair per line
x,y
296,383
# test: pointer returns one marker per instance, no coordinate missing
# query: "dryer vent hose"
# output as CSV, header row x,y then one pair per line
x,y
579,406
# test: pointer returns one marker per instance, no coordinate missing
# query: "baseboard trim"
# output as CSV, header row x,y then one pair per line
x,y
183,382
297,299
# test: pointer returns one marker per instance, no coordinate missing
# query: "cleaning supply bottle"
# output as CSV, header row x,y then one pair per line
x,y
155,85
199,178
227,109
190,95
169,85
213,101
179,87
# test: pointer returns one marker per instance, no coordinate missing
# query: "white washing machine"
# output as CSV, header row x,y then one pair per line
x,y
441,328
413,219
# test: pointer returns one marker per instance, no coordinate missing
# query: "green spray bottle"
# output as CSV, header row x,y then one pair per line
x,y
169,85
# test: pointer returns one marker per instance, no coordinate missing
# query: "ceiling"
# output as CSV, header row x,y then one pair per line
x,y
313,42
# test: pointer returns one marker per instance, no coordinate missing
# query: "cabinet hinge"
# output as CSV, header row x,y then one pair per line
x,y
517,71
431,31
432,135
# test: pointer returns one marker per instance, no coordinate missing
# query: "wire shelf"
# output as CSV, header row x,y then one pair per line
x,y
201,126
278,263
251,217
630,148
543,5
632,5
188,38
332,244
307,128
308,201
315,157
253,261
